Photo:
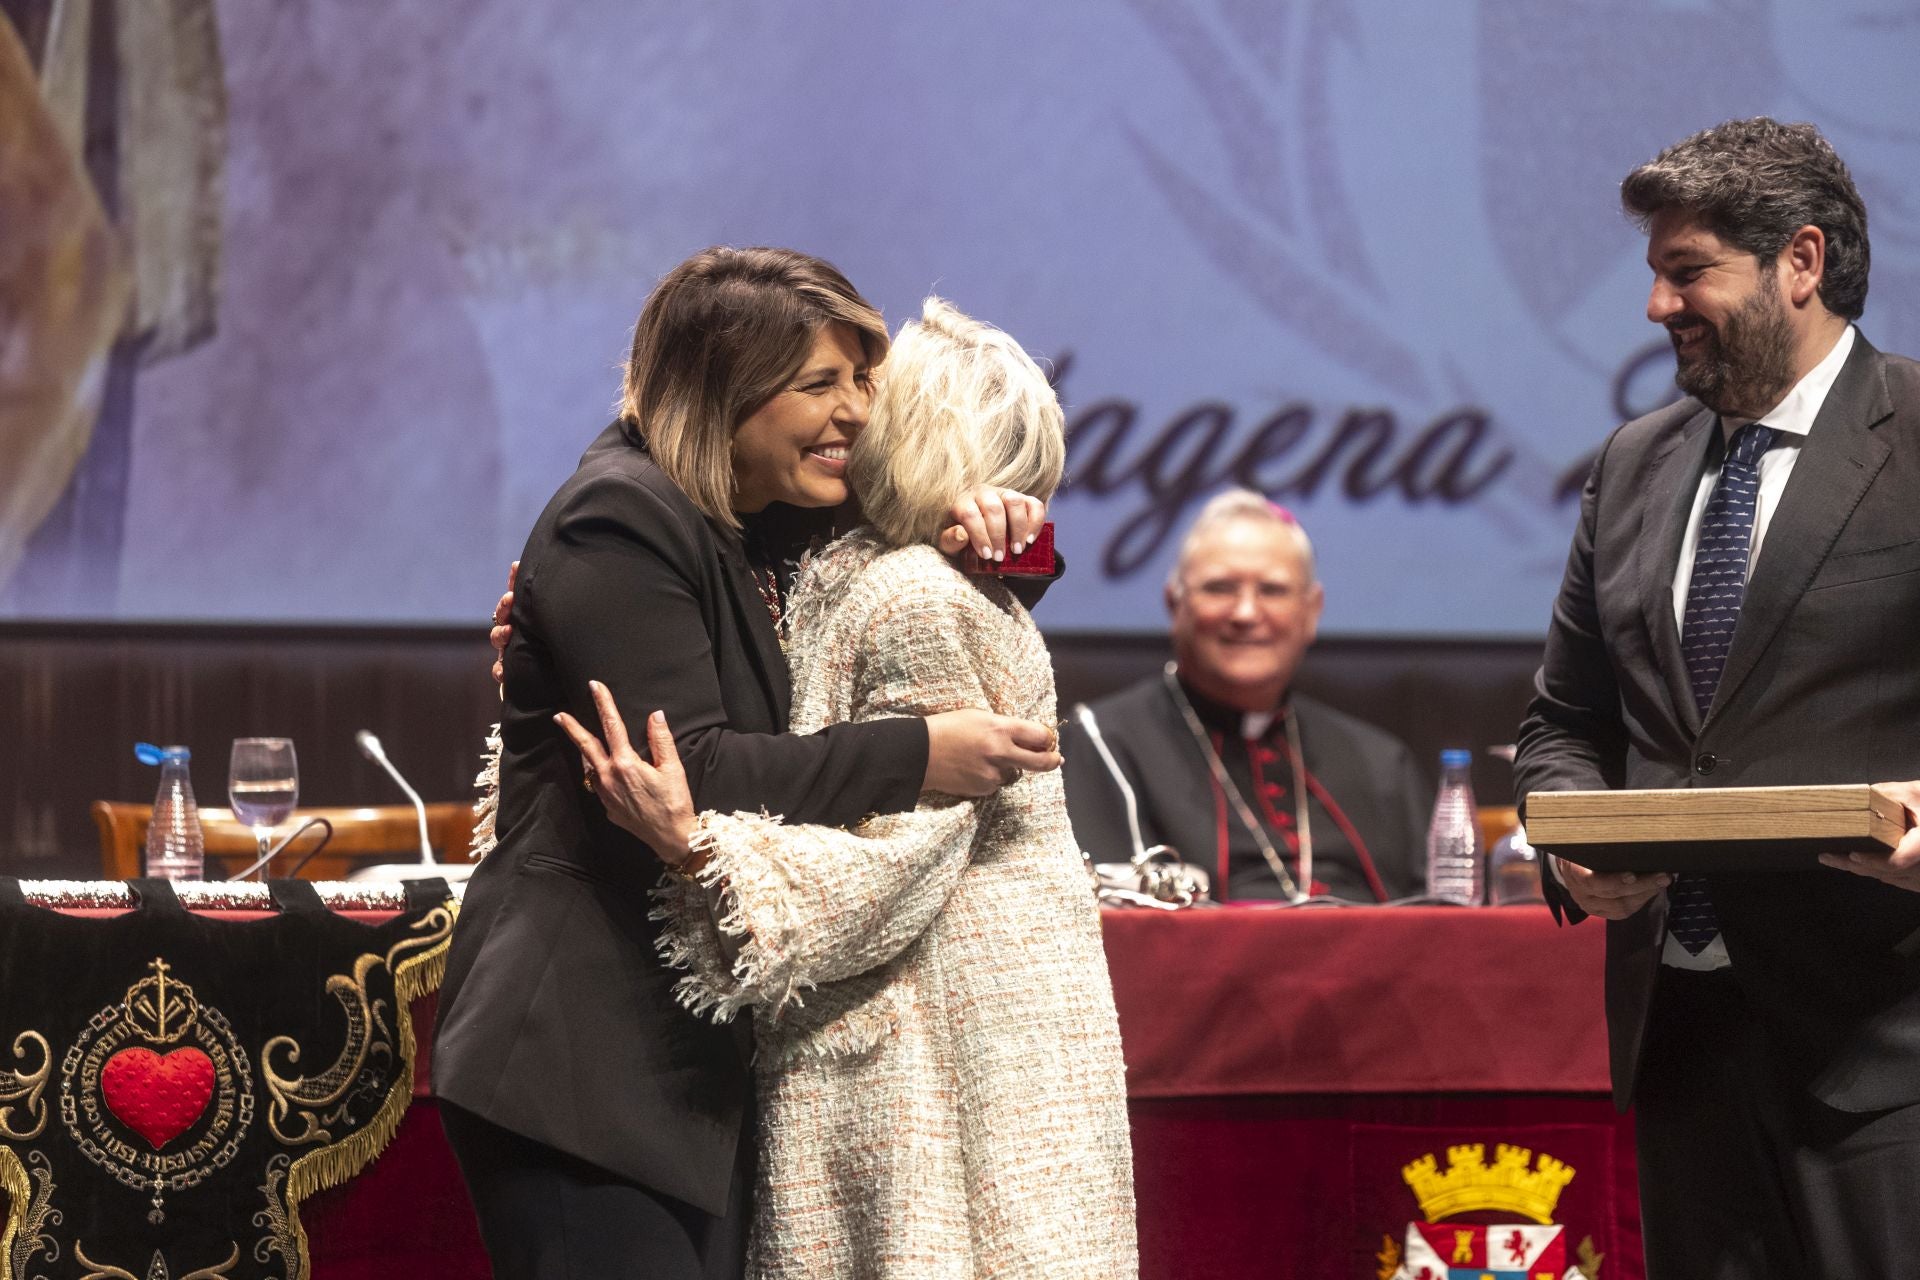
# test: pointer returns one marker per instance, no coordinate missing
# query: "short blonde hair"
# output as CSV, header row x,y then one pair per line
x,y
723,333
959,404
1240,504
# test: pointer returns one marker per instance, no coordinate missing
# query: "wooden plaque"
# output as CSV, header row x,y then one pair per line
x,y
1713,829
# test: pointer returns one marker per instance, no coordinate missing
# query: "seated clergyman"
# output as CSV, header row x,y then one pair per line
x,y
1272,793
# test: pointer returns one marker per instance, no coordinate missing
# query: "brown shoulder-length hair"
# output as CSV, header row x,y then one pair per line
x,y
721,335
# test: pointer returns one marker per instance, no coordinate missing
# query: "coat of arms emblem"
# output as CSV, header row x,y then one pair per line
x,y
1446,1245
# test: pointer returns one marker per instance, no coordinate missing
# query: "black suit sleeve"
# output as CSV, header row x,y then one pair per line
x,y
1572,738
1029,590
618,601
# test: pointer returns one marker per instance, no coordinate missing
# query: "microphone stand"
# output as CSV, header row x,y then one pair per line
x,y
1168,888
370,748
427,867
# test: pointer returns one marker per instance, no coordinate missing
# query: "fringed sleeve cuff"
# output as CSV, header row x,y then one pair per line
x,y
487,808
777,909
729,925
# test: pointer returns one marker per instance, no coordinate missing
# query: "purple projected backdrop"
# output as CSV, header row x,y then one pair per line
x,y
374,271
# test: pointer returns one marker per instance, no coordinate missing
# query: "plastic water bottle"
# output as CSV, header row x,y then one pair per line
x,y
176,845
1455,869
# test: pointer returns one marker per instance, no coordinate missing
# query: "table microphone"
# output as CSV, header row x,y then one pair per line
x,y
424,869
1157,883
1140,854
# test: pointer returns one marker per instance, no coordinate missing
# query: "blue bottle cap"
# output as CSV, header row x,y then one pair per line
x,y
147,753
1455,756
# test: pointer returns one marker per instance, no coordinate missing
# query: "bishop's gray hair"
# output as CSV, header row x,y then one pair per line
x,y
1240,504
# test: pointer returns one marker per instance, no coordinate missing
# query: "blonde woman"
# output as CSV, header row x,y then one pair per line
x,y
940,1085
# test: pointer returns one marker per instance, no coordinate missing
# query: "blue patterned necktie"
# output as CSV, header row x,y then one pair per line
x,y
1714,594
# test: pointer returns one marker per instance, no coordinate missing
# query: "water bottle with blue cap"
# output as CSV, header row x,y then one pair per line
x,y
1456,869
176,846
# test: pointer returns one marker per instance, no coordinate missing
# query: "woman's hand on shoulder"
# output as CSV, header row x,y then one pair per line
x,y
974,753
648,800
993,522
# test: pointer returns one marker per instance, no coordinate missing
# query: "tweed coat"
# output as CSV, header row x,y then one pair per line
x,y
941,1090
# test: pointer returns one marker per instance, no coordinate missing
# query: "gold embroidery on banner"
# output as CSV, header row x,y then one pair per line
x,y
28,1209
283,1236
23,1088
160,1010
156,1270
13,1181
30,1212
100,1272
1590,1260
417,964
157,1010
301,1097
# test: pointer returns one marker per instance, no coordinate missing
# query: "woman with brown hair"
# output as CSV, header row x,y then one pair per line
x,y
603,1130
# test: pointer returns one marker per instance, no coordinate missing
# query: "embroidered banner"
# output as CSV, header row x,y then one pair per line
x,y
173,1086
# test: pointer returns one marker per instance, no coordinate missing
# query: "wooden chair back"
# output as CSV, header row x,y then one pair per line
x,y
382,833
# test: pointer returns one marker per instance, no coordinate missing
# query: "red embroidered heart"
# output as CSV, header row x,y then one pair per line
x,y
157,1095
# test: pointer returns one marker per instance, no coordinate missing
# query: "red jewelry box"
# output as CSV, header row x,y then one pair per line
x,y
1035,562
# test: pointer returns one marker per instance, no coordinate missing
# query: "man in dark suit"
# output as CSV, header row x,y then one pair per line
x,y
1274,794
1739,608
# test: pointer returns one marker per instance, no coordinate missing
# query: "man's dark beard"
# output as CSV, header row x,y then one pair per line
x,y
1747,366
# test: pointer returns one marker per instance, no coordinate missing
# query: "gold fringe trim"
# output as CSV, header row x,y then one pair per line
x,y
417,975
13,1180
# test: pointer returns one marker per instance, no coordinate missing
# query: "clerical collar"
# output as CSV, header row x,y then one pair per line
x,y
1221,718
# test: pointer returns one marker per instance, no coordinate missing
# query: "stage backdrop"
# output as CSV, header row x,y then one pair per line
x,y
374,266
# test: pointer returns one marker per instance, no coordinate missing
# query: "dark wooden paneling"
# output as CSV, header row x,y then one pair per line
x,y
74,698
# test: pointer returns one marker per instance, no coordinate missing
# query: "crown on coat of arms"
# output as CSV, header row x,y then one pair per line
x,y
1471,1184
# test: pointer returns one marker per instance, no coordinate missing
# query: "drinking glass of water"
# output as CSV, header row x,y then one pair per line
x,y
263,783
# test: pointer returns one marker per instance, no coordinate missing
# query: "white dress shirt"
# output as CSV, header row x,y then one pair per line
x,y
1793,419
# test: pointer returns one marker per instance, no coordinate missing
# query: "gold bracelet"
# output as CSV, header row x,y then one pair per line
x,y
690,869
699,849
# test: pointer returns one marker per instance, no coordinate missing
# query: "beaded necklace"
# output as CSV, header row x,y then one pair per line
x,y
766,581
1240,807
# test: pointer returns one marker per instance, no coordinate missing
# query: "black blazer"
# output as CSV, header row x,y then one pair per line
x,y
1822,686
557,1018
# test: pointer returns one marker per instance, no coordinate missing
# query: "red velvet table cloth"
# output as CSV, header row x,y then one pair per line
x,y
1283,1067
1330,1000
